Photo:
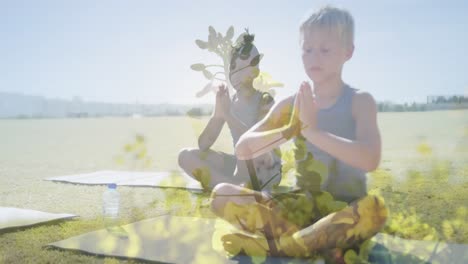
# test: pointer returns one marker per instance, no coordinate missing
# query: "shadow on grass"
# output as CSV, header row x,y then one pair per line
x,y
43,224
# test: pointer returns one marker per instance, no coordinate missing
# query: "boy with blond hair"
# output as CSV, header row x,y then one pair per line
x,y
337,126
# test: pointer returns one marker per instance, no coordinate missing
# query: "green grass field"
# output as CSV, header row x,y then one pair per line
x,y
423,175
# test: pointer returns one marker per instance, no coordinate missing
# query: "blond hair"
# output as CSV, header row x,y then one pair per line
x,y
331,18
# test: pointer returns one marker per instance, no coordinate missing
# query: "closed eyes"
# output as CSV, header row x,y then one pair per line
x,y
322,50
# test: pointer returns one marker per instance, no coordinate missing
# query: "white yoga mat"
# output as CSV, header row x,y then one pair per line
x,y
131,178
16,217
195,240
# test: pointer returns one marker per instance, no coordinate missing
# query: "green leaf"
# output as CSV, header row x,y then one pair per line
x,y
128,147
351,257
201,44
324,198
212,39
365,249
141,154
139,138
336,206
212,31
300,149
212,42
318,167
208,74
198,67
229,33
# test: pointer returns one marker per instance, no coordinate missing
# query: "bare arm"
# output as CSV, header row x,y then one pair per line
x,y
215,124
210,133
363,152
268,133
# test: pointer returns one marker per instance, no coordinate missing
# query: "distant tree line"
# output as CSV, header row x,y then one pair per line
x,y
23,106
432,103
447,99
20,106
198,112
405,107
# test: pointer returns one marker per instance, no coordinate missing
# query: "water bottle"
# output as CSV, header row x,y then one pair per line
x,y
110,204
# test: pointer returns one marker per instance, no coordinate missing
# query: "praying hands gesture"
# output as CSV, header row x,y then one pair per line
x,y
223,103
304,112
305,107
221,114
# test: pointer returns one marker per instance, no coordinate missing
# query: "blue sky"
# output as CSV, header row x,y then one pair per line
x,y
128,51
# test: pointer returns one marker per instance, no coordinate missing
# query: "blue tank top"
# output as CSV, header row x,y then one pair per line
x,y
268,165
344,182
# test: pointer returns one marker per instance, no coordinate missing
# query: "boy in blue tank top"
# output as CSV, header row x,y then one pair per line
x,y
335,128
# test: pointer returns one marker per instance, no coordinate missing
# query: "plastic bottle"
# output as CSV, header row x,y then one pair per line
x,y
111,203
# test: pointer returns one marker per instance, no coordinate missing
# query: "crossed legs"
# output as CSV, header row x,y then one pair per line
x,y
252,211
208,167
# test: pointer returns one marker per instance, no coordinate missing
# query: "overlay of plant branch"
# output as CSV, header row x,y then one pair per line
x,y
134,155
221,45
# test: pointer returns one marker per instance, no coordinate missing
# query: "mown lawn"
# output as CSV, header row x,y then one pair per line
x,y
423,176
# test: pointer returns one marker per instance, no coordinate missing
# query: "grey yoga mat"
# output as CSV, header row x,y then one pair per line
x,y
172,239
